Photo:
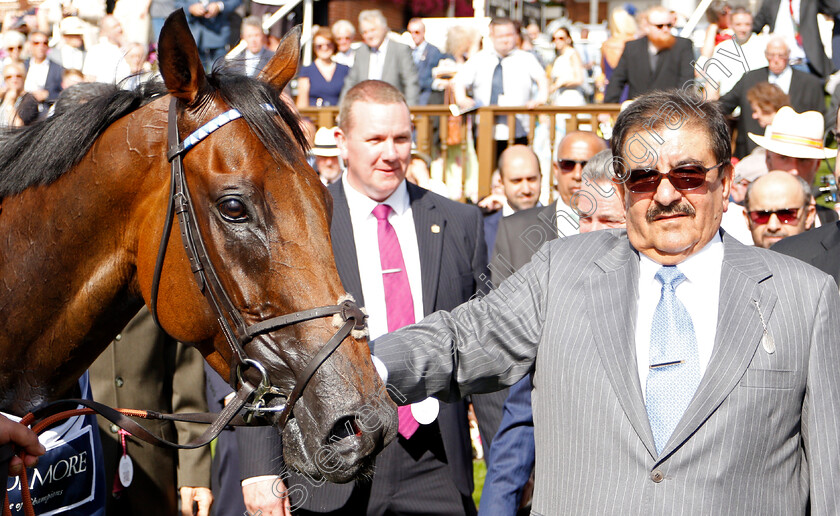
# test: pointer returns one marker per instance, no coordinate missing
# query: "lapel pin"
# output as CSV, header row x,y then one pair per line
x,y
767,341
435,228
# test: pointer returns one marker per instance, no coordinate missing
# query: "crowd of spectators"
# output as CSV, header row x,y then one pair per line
x,y
765,70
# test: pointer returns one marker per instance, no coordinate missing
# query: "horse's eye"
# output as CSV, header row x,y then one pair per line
x,y
233,210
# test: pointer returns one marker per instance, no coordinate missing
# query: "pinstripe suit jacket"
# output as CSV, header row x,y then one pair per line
x,y
761,436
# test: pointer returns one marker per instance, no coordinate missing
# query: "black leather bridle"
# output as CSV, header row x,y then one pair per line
x,y
236,331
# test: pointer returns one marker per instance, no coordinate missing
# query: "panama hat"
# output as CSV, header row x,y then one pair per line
x,y
798,135
72,26
325,144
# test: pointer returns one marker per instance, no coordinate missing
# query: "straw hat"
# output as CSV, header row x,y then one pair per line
x,y
72,26
798,135
325,144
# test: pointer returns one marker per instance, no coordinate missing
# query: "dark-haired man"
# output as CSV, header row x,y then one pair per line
x,y
674,369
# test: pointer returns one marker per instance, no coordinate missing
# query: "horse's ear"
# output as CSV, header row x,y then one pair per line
x,y
180,64
283,66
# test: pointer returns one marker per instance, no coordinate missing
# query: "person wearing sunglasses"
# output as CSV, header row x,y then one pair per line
x,y
12,42
778,206
675,370
657,61
320,83
43,76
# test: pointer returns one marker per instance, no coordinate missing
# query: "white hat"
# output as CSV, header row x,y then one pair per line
x,y
325,144
72,26
798,135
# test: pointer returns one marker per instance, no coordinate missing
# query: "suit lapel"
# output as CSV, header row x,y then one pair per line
x,y
614,336
739,331
826,259
430,225
344,243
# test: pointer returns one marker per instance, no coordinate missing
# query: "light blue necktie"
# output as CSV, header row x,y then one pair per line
x,y
674,362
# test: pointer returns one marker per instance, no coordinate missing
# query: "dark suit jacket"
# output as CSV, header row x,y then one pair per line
x,y
491,226
237,65
53,82
811,42
673,69
518,238
430,58
210,33
819,247
806,94
453,264
399,70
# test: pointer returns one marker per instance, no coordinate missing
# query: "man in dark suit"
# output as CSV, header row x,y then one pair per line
x,y
404,253
381,58
804,33
255,56
820,247
805,92
426,57
43,77
657,61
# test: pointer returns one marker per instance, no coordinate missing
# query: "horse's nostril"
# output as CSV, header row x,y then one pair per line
x,y
344,427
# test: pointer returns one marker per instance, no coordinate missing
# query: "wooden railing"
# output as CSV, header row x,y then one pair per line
x,y
592,117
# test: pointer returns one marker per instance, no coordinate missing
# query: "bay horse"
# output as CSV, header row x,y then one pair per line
x,y
84,206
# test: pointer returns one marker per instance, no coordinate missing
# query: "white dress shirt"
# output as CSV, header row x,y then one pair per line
x,y
377,61
700,293
782,80
36,76
367,252
784,27
565,216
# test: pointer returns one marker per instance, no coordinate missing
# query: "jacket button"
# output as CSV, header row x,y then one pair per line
x,y
657,476
118,337
114,428
119,381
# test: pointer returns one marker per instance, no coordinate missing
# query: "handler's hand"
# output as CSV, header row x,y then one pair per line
x,y
201,496
13,432
263,496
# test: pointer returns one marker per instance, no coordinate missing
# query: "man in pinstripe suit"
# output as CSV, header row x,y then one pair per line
x,y
749,424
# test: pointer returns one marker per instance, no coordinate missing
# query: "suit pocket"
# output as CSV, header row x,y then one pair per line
x,y
768,379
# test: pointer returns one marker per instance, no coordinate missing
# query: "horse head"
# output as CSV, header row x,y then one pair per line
x,y
264,219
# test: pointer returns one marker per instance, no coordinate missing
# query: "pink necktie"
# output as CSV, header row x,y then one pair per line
x,y
398,302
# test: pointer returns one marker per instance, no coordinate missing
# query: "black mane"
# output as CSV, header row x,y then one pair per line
x,y
40,153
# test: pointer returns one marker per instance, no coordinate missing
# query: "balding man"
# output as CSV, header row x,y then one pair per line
x,y
521,234
511,458
519,171
804,89
778,206
657,61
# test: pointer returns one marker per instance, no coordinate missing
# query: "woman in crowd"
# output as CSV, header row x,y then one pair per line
x,y
623,28
567,72
319,84
718,30
16,106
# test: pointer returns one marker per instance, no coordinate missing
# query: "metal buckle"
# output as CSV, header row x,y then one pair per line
x,y
258,406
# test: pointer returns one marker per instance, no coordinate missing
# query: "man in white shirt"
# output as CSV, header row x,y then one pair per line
x,y
256,56
503,76
104,62
441,263
666,357
43,77
344,34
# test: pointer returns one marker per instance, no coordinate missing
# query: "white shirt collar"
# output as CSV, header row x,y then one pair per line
x,y
383,47
696,267
362,206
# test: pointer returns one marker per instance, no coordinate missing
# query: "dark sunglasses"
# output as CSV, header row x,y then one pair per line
x,y
40,42
685,177
661,26
568,165
786,216
324,45
10,49
15,76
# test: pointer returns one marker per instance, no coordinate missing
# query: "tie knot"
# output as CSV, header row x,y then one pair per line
x,y
382,211
670,276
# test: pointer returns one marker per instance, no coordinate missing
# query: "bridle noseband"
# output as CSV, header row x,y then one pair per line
x,y
236,331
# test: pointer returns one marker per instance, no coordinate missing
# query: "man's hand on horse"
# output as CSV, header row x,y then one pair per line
x,y
12,432
196,496
268,496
